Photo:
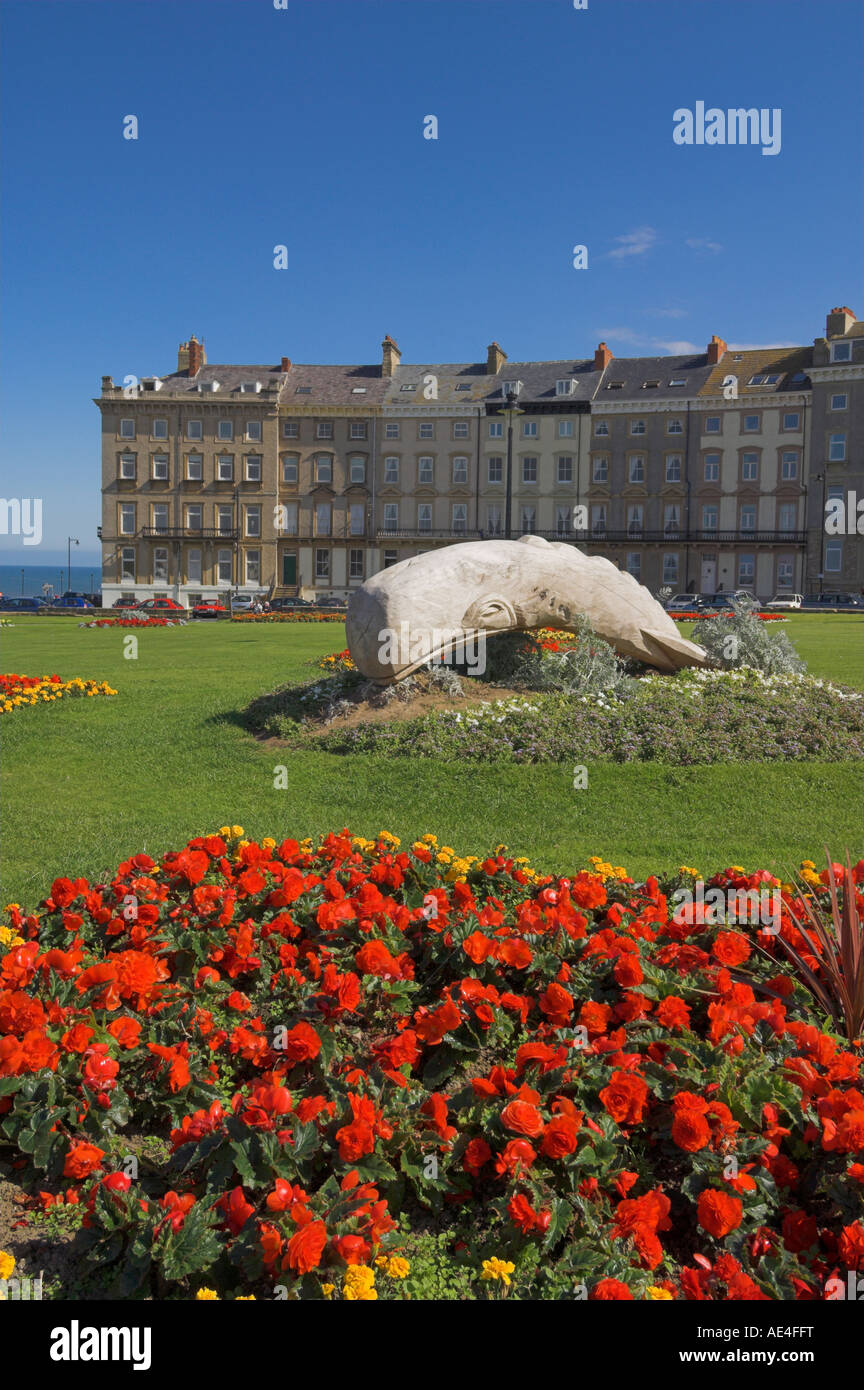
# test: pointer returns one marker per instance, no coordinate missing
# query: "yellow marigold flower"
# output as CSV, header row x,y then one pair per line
x,y
398,1268
268,842
224,831
810,877
207,1296
498,1269
807,864
659,1295
7,1264
429,839
388,838
382,1260
237,830
328,1290
245,1298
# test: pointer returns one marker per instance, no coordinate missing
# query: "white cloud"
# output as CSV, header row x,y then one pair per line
x,y
634,243
678,348
651,346
703,243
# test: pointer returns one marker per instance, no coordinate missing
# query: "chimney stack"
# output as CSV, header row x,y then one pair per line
x,y
391,356
602,358
197,356
286,364
495,359
183,357
838,322
716,349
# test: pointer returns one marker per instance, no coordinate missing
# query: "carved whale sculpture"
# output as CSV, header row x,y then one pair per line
x,y
464,591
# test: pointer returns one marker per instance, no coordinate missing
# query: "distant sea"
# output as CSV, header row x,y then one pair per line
x,y
25,581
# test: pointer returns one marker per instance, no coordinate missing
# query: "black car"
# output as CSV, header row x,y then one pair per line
x,y
833,602
715,603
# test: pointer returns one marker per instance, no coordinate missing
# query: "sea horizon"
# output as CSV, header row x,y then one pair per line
x,y
26,581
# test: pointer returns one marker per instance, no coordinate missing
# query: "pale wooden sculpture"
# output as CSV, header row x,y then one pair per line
x,y
461,592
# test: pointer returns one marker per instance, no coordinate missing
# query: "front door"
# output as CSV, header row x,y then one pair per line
x,y
709,574
289,569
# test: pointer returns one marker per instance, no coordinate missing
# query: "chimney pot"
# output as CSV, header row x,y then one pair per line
x,y
286,364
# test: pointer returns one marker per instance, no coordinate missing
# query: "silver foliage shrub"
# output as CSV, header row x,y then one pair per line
x,y
740,638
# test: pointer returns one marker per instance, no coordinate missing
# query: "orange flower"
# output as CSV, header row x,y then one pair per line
x,y
560,1136
625,1097
690,1130
522,1118
718,1213
82,1159
306,1247
731,948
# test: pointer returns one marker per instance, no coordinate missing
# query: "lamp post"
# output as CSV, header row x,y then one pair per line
x,y
510,409
70,541
820,478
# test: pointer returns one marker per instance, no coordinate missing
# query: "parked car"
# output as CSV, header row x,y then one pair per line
x,y
716,603
128,604
160,608
833,602
70,601
785,601
683,603
209,608
22,605
244,603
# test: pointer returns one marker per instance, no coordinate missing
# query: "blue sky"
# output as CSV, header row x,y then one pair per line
x,y
304,127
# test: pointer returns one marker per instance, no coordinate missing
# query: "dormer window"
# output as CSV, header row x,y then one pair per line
x,y
841,352
566,386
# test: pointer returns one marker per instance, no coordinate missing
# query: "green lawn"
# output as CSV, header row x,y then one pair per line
x,y
90,782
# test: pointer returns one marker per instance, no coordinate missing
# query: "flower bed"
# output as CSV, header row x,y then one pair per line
x,y
698,617
336,661
136,622
693,717
22,692
575,1084
288,618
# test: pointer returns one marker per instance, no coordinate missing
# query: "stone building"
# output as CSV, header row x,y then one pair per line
x,y
706,472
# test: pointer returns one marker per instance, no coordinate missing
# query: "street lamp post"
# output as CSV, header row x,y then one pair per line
x,y
70,541
819,478
510,409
